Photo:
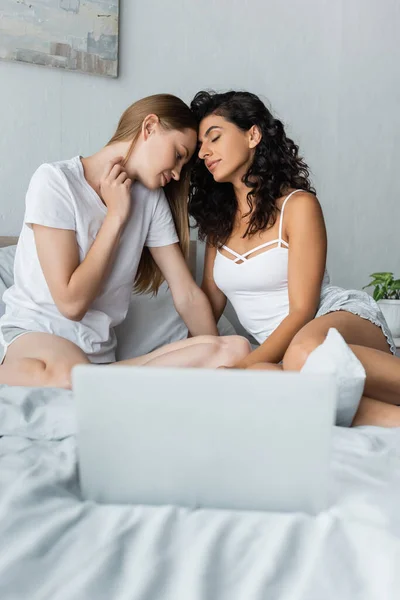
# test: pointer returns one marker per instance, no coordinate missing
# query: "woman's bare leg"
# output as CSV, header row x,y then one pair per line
x,y
46,360
265,367
383,374
354,329
370,346
382,369
374,412
370,411
41,360
204,351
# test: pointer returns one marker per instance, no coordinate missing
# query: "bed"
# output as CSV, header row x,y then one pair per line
x,y
55,546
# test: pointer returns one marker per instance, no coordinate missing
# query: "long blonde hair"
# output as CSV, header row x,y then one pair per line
x,y
173,114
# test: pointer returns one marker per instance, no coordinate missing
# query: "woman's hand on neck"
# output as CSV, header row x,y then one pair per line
x,y
94,166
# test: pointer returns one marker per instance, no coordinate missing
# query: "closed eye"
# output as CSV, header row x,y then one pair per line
x,y
216,138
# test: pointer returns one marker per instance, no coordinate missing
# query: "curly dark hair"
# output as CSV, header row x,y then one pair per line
x,y
276,168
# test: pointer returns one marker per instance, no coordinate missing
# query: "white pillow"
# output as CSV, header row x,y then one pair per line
x,y
335,357
7,256
151,322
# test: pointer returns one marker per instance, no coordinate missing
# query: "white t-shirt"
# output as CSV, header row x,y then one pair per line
x,y
59,196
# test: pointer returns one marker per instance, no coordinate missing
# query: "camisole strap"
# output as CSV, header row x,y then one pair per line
x,y
260,247
281,241
238,256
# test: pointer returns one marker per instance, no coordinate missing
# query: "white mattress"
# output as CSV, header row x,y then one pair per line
x,y
55,546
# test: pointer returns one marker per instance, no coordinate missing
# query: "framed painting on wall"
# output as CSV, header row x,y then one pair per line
x,y
76,35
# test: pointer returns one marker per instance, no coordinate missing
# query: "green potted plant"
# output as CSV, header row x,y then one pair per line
x,y
387,294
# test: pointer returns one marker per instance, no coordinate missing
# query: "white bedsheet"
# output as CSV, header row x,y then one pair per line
x,y
54,546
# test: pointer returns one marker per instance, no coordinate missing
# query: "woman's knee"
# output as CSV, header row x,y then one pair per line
x,y
235,347
298,352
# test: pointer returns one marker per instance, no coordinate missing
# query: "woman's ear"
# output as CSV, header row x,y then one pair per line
x,y
149,126
254,136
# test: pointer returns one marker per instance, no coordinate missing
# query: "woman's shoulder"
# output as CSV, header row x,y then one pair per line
x,y
55,172
297,200
301,208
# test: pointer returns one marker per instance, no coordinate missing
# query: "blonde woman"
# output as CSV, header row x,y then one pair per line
x,y
93,228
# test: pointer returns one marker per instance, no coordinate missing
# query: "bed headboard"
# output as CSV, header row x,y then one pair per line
x,y
11,241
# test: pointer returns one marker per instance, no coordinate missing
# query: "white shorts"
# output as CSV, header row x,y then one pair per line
x,y
8,335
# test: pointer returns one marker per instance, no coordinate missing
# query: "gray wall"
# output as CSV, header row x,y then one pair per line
x,y
330,70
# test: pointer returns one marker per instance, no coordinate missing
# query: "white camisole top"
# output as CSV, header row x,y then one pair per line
x,y
257,287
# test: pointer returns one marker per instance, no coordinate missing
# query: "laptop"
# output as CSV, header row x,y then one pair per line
x,y
199,438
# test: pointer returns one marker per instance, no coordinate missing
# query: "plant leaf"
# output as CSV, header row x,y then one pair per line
x,y
388,279
377,282
381,275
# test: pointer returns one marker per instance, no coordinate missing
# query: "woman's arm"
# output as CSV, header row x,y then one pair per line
x,y
216,298
190,302
305,228
74,285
